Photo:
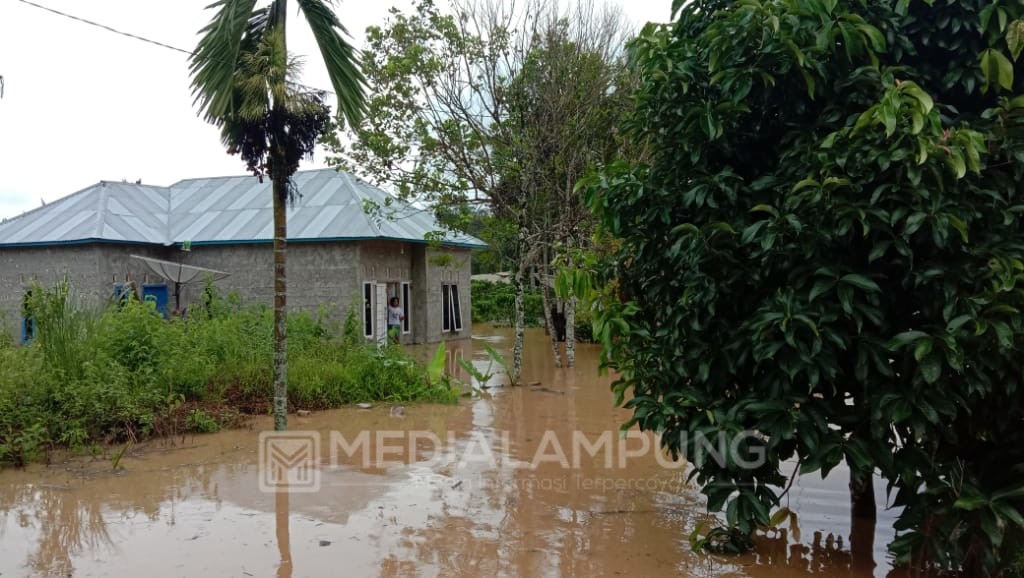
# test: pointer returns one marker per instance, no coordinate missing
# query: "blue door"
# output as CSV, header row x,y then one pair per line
x,y
158,295
28,330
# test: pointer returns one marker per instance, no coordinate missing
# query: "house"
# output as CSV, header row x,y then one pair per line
x,y
156,239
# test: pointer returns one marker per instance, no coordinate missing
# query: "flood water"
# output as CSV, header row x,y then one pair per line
x,y
469,504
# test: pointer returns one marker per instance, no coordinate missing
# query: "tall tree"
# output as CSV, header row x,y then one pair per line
x,y
448,124
242,77
826,252
567,101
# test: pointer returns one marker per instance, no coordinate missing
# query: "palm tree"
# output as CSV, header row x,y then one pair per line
x,y
242,80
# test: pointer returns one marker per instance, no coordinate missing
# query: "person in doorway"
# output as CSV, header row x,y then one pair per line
x,y
395,318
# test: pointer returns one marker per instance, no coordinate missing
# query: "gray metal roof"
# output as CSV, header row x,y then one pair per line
x,y
225,210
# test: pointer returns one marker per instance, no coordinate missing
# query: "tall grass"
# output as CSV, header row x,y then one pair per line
x,y
123,372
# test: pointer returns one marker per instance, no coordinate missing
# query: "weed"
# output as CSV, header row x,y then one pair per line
x,y
93,376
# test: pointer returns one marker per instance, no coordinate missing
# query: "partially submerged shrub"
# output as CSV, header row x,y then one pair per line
x,y
127,372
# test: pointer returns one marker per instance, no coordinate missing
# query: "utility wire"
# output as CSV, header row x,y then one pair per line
x,y
137,37
108,28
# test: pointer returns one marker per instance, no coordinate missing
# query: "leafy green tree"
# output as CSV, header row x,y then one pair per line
x,y
449,122
242,79
827,250
565,102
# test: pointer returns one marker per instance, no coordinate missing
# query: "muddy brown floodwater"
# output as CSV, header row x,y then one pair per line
x,y
449,492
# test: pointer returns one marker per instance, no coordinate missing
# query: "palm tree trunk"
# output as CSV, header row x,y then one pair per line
x,y
280,303
279,177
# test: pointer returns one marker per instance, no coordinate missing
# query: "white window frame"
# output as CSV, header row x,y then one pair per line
x,y
451,292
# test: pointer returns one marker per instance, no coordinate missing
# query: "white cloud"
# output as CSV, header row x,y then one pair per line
x,y
82,104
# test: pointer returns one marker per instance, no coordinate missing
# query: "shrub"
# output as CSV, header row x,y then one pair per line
x,y
126,372
495,302
827,248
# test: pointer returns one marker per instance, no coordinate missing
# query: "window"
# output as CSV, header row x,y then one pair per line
x,y
368,309
451,308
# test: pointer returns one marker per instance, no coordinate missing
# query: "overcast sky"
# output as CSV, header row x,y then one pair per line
x,y
82,104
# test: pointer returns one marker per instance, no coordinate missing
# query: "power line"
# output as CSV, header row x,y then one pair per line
x,y
140,38
108,28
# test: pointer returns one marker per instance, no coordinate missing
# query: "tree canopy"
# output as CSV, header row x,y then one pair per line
x,y
494,110
826,250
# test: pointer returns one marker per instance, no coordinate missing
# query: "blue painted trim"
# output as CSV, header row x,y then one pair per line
x,y
178,244
335,239
79,242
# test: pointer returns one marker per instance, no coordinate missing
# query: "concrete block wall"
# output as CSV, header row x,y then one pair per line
x,y
457,271
392,261
91,269
116,266
319,274
20,266
382,262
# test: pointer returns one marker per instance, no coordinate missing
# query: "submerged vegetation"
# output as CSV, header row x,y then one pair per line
x,y
124,373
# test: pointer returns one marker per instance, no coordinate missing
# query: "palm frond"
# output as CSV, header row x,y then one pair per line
x,y
341,58
214,62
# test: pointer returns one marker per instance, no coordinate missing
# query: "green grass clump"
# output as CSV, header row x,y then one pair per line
x,y
124,372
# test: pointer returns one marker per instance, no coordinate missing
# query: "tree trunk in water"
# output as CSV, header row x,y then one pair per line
x,y
570,332
862,496
526,255
862,545
280,305
282,517
862,524
520,321
549,322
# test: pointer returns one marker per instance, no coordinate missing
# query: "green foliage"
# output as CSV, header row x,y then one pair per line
x,y
500,236
495,302
827,248
200,421
126,372
483,377
435,368
6,330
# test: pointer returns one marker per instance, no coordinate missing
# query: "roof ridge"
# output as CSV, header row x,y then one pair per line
x,y
101,209
361,196
331,169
